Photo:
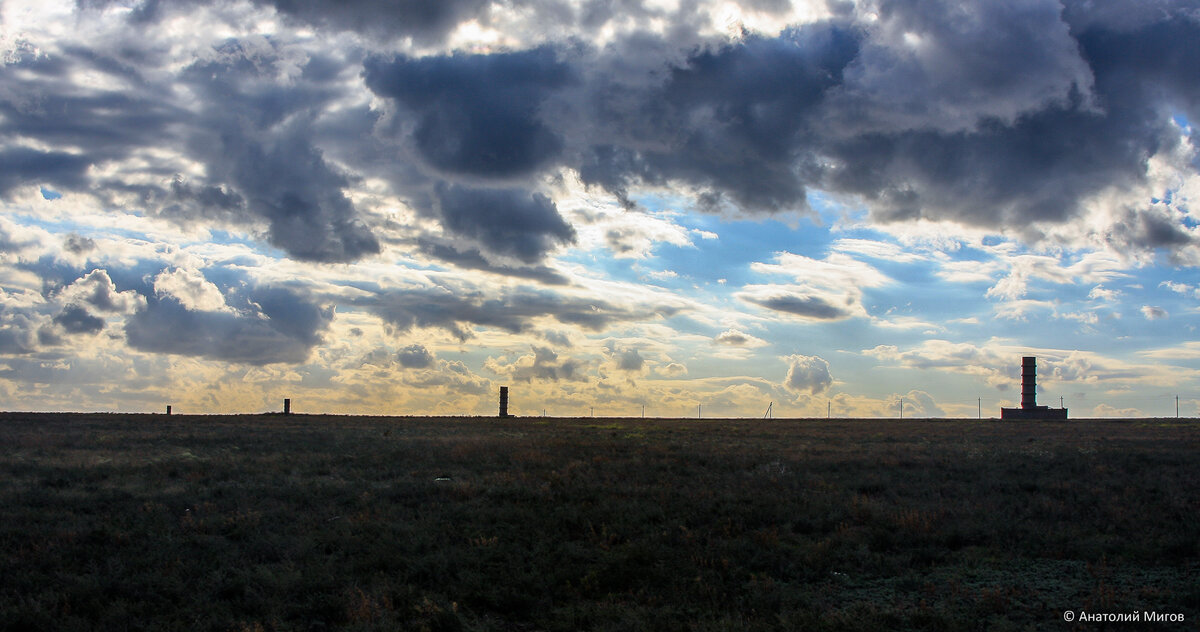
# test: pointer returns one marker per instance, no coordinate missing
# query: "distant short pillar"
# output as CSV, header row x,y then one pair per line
x,y
503,401
168,409
287,406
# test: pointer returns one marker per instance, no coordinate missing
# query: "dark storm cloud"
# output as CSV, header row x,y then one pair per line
x,y
39,102
79,244
806,306
252,133
414,357
731,120
76,320
509,222
424,20
456,311
257,139
944,64
994,114
20,166
186,201
476,115
281,325
473,259
289,183
1042,164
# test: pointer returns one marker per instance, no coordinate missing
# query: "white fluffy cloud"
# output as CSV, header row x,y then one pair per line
x,y
735,338
807,374
191,289
823,289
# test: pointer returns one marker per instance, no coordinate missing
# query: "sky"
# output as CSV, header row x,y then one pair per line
x,y
612,207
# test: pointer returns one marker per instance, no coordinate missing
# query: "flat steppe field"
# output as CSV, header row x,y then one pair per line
x,y
267,522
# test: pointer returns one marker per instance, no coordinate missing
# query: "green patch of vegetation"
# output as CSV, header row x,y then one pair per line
x,y
311,523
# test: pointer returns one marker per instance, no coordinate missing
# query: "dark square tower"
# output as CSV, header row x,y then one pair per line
x,y
1029,410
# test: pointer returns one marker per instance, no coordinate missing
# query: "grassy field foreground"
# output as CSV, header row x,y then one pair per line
x,y
317,523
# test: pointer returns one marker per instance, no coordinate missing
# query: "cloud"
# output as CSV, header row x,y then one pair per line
x,y
543,364
21,166
1026,268
996,117
730,121
881,250
476,115
807,373
1101,293
509,222
76,320
1154,313
1181,288
78,244
18,333
427,22
735,338
630,360
273,324
415,356
1001,116
97,290
672,369
469,258
190,289
802,305
1189,350
288,183
824,289
948,66
627,359
921,404
962,358
1000,364
456,310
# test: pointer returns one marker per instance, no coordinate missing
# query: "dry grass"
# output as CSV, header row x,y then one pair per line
x,y
313,523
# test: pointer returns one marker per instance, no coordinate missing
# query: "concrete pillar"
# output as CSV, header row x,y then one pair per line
x,y
287,406
503,401
168,409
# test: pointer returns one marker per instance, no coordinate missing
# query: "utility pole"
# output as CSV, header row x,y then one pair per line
x,y
828,410
902,408
979,407
1176,407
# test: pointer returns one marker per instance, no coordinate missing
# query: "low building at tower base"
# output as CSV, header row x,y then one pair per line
x,y
1029,410
1036,413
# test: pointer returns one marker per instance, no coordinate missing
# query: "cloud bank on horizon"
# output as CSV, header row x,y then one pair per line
x,y
389,207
